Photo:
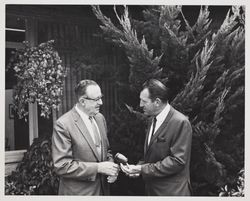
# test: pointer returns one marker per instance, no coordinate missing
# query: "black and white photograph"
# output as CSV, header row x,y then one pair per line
x,y
124,99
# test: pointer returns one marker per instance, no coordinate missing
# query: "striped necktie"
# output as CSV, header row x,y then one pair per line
x,y
96,135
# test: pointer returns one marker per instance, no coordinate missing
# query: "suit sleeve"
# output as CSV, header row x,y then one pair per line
x,y
62,155
179,154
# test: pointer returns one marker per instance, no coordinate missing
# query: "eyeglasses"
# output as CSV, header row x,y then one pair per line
x,y
94,99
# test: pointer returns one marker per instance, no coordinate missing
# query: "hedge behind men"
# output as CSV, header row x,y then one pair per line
x,y
167,149
80,147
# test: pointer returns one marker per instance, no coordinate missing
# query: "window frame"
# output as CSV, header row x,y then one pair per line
x,y
13,157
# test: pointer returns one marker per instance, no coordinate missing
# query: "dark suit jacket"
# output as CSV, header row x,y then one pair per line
x,y
75,156
165,168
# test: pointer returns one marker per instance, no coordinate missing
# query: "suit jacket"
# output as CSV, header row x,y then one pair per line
x,y
165,168
75,156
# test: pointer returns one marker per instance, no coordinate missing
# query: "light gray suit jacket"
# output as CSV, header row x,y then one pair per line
x,y
165,168
75,156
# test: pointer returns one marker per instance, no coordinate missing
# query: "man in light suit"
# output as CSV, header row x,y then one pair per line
x,y
80,147
167,149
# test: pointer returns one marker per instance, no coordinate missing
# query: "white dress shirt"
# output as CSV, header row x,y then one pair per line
x,y
160,118
87,122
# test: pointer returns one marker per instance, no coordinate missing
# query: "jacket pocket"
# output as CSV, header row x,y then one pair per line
x,y
161,139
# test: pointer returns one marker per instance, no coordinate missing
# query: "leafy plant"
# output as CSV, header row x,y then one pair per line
x,y
238,191
40,78
34,175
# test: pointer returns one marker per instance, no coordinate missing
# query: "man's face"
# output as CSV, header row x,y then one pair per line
x,y
92,100
146,103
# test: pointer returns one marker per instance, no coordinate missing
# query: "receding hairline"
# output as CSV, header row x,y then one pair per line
x,y
161,91
91,85
82,87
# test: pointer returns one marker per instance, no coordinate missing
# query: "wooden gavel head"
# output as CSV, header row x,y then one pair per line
x,y
120,158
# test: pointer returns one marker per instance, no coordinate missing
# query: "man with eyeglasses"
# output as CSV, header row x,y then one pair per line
x,y
80,148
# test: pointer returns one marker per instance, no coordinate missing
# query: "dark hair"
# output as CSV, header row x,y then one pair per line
x,y
156,90
80,88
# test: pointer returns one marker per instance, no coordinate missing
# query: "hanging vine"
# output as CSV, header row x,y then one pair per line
x,y
40,78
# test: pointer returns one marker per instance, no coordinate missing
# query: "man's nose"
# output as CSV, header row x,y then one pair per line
x,y
100,101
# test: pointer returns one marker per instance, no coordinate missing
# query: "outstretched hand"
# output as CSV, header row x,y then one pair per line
x,y
131,170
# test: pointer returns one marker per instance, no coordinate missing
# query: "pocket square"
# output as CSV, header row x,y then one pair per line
x,y
161,139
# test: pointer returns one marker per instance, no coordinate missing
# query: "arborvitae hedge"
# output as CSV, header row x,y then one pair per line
x,y
203,64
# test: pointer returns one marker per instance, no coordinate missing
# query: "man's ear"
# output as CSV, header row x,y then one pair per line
x,y
158,101
81,100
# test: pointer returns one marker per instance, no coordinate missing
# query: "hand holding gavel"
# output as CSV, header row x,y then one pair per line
x,y
120,158
132,171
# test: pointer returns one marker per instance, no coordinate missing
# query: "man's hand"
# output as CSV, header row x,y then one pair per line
x,y
131,170
108,168
112,179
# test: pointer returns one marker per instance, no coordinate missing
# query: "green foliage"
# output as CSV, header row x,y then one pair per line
x,y
189,95
204,68
34,175
132,149
92,62
237,191
140,58
40,78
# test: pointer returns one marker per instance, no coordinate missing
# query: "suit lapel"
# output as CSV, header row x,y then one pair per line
x,y
160,129
83,129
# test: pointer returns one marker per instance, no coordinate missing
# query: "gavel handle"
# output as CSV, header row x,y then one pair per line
x,y
127,165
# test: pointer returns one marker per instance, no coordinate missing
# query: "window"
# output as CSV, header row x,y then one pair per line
x,y
16,130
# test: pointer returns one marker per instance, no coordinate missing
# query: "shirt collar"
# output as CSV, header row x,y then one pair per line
x,y
81,113
163,114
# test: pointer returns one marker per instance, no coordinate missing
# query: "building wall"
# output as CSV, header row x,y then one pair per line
x,y
76,38
9,120
79,41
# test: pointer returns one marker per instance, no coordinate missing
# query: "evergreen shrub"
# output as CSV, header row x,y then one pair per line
x,y
202,60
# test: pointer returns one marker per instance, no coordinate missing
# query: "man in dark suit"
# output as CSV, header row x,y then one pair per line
x,y
167,149
80,147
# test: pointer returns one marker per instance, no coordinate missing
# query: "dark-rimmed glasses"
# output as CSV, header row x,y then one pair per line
x,y
94,99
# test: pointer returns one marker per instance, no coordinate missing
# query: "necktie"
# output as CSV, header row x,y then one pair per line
x,y
153,129
96,135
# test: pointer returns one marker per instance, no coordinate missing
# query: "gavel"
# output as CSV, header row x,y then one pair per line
x,y
120,158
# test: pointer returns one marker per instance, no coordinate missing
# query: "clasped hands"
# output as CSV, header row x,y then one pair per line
x,y
129,170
